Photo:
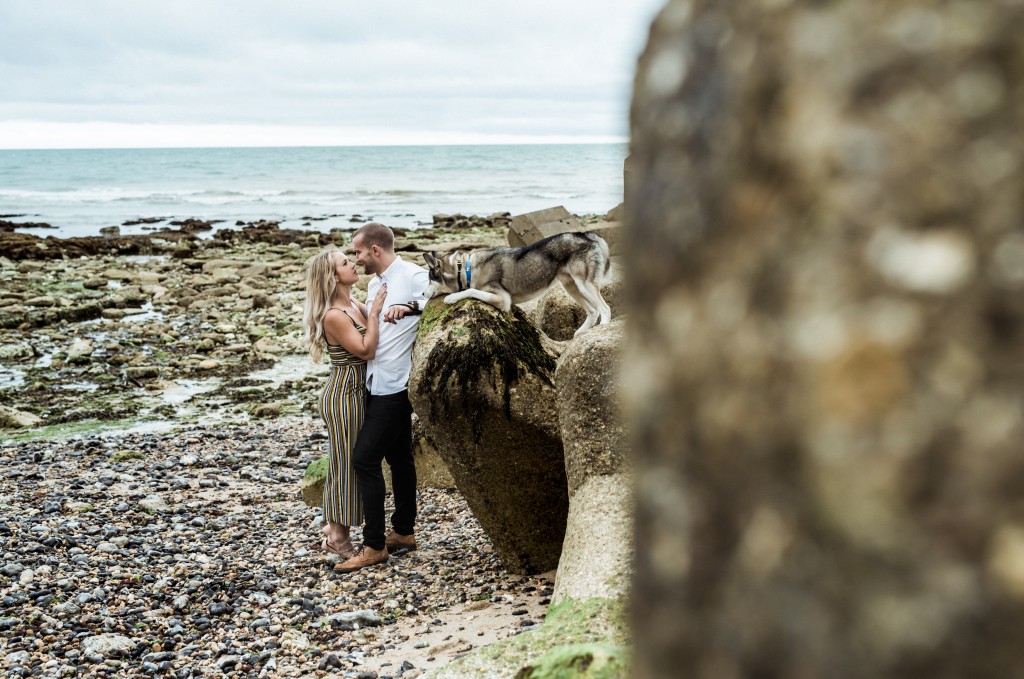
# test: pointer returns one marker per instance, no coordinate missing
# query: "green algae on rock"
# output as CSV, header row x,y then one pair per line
x,y
482,384
568,630
569,661
122,455
313,481
503,348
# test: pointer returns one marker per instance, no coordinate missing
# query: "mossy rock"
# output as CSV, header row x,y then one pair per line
x,y
313,481
482,384
484,343
571,661
571,632
123,455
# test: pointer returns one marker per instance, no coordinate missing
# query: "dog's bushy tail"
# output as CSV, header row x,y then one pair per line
x,y
605,271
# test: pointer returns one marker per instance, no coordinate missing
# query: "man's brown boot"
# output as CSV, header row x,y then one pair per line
x,y
396,543
365,556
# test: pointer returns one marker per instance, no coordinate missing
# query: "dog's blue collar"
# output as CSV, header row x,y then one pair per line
x,y
469,275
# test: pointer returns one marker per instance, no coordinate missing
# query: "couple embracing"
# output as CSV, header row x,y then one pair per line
x,y
365,403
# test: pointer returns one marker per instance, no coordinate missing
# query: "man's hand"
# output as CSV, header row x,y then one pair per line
x,y
395,312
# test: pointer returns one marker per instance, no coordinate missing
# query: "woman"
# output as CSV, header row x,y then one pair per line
x,y
336,322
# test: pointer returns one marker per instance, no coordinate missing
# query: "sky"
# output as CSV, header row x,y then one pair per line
x,y
187,73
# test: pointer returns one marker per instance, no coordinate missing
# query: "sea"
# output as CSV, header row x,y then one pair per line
x,y
80,191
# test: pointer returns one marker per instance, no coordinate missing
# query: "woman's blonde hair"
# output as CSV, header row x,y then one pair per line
x,y
320,287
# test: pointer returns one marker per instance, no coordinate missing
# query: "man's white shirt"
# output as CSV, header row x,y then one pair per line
x,y
388,373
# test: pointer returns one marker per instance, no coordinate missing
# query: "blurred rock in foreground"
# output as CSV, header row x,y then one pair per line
x,y
826,340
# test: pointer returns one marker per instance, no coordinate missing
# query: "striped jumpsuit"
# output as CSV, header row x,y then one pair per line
x,y
342,405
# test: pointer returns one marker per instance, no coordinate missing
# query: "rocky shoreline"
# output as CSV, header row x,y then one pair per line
x,y
169,328
190,553
158,413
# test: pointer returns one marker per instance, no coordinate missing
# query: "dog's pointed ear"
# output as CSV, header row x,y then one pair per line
x,y
430,258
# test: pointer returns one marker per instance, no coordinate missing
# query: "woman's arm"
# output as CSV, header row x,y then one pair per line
x,y
340,325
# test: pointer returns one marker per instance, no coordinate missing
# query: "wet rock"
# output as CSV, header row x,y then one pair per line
x,y
43,301
17,419
80,348
482,386
265,410
142,372
13,352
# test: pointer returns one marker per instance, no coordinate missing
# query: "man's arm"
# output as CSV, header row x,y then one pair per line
x,y
419,282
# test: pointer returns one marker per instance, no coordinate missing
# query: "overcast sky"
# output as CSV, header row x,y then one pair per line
x,y
113,73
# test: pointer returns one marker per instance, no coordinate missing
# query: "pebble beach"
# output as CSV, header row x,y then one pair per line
x,y
150,514
190,553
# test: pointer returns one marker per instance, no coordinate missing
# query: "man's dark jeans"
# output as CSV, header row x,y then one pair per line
x,y
386,434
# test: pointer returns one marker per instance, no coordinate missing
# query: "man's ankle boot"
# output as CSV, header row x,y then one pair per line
x,y
396,543
366,556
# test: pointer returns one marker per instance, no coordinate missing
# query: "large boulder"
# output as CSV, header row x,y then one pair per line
x,y
596,556
431,471
483,386
825,268
585,632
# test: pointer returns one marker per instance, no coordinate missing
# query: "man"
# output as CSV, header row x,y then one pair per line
x,y
386,433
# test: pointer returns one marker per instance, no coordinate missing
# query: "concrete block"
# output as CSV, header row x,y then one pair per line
x,y
533,226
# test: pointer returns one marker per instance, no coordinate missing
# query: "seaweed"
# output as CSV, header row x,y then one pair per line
x,y
484,344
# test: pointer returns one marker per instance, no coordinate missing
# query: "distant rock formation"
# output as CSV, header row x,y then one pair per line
x,y
825,267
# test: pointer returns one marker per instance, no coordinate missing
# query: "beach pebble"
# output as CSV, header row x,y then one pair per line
x,y
17,657
107,645
362,617
154,503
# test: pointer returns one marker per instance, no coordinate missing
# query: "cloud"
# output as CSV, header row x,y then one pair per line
x,y
402,67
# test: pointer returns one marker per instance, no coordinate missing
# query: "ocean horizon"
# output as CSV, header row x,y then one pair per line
x,y
80,191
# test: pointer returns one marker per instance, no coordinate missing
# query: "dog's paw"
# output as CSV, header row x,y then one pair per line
x,y
452,298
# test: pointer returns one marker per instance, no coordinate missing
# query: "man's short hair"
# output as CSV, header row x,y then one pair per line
x,y
376,234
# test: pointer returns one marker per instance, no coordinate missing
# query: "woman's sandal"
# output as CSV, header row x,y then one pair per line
x,y
346,549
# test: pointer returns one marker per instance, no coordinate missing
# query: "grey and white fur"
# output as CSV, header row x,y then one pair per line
x,y
502,277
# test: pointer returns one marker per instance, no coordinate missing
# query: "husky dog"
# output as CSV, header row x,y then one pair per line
x,y
506,276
